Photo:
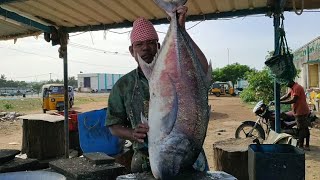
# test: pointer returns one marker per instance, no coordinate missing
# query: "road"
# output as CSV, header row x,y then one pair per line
x,y
227,114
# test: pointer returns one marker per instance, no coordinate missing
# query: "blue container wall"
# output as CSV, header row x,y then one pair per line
x,y
94,136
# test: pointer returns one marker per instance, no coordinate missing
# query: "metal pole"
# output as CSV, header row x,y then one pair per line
x,y
64,54
276,23
66,102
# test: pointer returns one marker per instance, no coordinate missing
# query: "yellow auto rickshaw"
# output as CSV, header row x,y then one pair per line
x,y
53,97
222,88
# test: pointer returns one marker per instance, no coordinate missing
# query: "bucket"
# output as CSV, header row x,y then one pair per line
x,y
73,120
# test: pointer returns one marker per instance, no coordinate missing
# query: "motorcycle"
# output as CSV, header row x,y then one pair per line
x,y
266,117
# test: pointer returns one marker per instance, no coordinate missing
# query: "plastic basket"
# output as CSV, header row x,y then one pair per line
x,y
282,67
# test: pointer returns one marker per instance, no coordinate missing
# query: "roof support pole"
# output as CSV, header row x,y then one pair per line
x,y
276,23
63,53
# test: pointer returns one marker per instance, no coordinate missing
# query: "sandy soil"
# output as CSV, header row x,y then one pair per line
x,y
227,114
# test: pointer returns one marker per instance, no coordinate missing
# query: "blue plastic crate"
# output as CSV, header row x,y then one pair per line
x,y
94,136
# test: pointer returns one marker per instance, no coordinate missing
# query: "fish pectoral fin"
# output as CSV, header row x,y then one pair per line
x,y
145,67
169,120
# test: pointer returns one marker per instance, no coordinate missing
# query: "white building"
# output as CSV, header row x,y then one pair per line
x,y
307,61
97,81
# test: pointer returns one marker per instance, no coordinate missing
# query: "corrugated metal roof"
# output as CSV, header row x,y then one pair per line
x,y
11,30
82,15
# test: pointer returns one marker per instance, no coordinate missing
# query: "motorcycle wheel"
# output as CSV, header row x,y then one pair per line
x,y
244,129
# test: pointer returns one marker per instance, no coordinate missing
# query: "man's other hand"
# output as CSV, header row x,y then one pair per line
x,y
182,14
140,132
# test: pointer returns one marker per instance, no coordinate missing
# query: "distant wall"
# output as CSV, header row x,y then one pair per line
x,y
307,60
99,81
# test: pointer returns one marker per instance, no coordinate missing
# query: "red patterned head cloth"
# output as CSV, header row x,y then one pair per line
x,y
143,30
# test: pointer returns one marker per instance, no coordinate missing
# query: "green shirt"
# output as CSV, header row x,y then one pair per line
x,y
129,98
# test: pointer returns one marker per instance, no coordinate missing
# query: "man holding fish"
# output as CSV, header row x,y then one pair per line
x,y
133,97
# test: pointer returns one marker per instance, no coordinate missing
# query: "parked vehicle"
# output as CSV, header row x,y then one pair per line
x,y
222,88
53,97
267,119
5,94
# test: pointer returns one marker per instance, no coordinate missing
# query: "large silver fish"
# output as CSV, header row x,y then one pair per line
x,y
178,107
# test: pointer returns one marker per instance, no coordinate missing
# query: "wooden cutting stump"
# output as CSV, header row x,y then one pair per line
x,y
231,156
43,136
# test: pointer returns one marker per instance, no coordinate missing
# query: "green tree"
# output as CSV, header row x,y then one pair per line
x,y
3,80
232,72
36,86
73,82
260,87
218,75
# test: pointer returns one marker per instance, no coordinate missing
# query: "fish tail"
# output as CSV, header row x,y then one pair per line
x,y
170,5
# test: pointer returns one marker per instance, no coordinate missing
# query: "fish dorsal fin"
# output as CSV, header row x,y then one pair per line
x,y
209,74
169,119
145,67
169,5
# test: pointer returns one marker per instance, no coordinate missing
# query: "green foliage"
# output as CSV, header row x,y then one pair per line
x,y
260,87
36,87
7,106
73,82
34,104
232,72
248,95
10,83
22,105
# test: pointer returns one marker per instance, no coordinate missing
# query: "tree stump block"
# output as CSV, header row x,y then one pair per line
x,y
43,136
231,156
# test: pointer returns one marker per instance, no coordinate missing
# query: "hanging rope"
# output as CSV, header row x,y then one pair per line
x,y
295,9
281,63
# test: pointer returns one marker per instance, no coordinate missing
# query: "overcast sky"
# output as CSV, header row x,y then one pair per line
x,y
246,39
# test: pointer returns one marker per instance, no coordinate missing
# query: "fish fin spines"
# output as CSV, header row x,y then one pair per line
x,y
209,75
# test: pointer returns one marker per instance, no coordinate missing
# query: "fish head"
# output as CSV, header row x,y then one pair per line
x,y
145,49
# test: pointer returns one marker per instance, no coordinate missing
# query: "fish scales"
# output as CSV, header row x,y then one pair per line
x,y
178,107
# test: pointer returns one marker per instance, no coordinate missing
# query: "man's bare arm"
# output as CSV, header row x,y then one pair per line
x,y
286,96
137,134
290,101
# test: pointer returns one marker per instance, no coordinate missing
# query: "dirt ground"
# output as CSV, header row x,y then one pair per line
x,y
227,114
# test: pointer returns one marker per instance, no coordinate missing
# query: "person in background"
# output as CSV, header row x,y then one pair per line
x,y
297,98
129,98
